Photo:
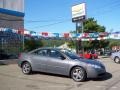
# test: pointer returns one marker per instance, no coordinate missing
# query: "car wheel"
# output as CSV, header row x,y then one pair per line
x,y
117,60
26,68
78,74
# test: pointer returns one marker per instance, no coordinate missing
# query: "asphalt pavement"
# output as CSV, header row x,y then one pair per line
x,y
12,78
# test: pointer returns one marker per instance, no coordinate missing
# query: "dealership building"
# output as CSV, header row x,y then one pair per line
x,y
11,21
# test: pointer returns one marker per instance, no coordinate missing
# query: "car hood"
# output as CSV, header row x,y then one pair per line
x,y
91,61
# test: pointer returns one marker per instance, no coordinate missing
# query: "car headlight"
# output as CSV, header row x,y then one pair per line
x,y
94,66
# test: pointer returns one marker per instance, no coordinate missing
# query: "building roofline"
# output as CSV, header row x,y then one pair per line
x,y
10,12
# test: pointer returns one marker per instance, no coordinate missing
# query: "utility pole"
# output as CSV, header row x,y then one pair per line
x,y
23,41
77,42
82,45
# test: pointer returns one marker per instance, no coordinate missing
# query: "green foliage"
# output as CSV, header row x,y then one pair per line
x,y
31,44
87,45
114,43
71,44
91,26
52,43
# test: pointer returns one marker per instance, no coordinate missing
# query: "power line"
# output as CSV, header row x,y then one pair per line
x,y
107,8
58,21
115,3
107,11
37,21
47,25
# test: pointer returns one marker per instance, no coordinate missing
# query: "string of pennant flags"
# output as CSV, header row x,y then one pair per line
x,y
84,36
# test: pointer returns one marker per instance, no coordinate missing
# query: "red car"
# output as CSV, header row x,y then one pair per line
x,y
90,55
94,56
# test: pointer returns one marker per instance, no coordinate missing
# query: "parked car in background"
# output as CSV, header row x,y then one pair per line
x,y
3,55
107,52
60,61
89,55
94,55
116,57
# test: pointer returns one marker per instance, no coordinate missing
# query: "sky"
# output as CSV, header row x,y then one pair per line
x,y
56,15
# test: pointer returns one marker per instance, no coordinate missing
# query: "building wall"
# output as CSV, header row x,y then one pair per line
x,y
12,14
10,21
14,5
11,17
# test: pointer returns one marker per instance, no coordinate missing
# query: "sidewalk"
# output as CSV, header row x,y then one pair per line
x,y
103,56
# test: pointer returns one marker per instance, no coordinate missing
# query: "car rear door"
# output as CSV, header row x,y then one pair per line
x,y
39,59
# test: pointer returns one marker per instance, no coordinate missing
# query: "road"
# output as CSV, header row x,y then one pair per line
x,y
11,78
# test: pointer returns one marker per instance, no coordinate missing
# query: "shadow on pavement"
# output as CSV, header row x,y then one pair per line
x,y
2,63
105,77
8,61
50,74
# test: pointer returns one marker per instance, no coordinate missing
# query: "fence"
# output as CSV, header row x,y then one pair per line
x,y
10,43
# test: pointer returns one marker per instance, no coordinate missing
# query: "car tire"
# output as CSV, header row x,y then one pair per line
x,y
117,60
26,68
78,74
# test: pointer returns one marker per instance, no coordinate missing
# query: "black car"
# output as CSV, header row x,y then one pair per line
x,y
108,52
4,55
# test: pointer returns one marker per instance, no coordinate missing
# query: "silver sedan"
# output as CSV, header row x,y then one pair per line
x,y
60,61
116,57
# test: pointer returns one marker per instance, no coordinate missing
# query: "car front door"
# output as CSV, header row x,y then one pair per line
x,y
57,63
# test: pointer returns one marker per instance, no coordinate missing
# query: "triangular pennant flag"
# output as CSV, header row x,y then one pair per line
x,y
66,35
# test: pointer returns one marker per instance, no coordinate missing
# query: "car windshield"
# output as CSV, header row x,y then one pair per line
x,y
70,54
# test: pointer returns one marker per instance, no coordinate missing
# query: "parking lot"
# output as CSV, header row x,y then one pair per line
x,y
11,78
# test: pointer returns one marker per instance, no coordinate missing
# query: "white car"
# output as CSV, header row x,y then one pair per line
x,y
116,57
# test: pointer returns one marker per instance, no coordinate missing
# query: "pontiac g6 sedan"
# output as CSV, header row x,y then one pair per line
x,y
62,62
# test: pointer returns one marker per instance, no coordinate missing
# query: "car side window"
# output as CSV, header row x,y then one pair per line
x,y
56,54
42,52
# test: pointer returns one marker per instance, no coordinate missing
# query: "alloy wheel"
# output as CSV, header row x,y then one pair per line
x,y
78,74
117,60
26,68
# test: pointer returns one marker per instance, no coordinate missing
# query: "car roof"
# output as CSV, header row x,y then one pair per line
x,y
45,48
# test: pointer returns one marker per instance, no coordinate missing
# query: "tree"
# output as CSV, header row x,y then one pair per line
x,y
71,44
91,26
53,42
114,43
31,44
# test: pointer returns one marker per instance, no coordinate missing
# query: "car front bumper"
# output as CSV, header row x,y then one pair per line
x,y
96,73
